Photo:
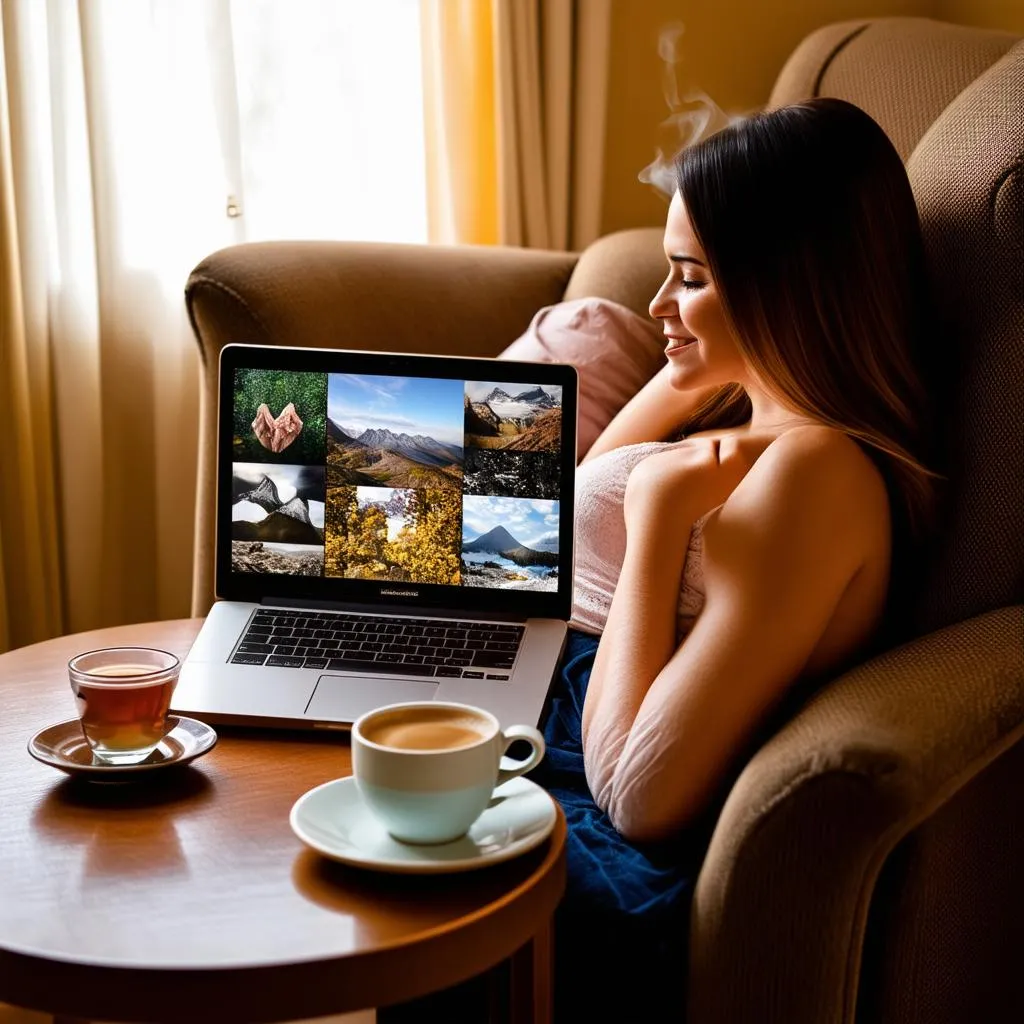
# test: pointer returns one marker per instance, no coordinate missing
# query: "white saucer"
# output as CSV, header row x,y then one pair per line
x,y
334,821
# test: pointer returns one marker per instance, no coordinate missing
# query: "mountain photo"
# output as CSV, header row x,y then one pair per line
x,y
394,432
277,559
279,417
277,519
510,543
513,417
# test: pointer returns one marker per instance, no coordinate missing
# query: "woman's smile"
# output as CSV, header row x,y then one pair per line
x,y
676,344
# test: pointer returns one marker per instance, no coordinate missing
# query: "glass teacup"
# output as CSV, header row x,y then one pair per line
x,y
123,695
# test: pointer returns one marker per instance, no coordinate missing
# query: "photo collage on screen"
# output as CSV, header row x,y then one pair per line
x,y
513,436
278,481
396,479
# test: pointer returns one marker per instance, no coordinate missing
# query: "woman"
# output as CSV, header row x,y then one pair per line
x,y
719,574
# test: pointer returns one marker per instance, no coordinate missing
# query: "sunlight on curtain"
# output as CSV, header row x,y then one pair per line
x,y
134,134
515,92
462,155
28,528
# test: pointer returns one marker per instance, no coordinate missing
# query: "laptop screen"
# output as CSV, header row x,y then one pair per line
x,y
367,477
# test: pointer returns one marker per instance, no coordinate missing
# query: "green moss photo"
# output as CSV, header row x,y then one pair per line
x,y
280,416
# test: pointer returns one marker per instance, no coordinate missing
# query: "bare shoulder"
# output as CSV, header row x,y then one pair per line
x,y
809,477
808,453
823,452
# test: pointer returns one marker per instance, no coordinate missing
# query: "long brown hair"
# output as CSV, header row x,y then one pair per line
x,y
812,236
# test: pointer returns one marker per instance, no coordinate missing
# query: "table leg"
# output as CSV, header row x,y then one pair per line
x,y
530,980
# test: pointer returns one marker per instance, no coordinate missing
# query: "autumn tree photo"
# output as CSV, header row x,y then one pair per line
x,y
339,512
429,545
425,549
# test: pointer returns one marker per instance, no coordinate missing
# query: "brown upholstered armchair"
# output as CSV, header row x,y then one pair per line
x,y
869,862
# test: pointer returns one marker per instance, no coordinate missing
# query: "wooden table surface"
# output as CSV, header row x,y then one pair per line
x,y
188,897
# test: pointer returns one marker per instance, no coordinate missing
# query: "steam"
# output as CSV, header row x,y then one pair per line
x,y
694,115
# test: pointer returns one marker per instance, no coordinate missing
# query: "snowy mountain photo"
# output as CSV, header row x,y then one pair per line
x,y
277,519
513,417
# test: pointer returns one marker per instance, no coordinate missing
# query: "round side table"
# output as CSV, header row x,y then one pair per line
x,y
187,898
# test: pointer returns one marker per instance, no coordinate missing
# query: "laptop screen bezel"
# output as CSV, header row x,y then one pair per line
x,y
260,587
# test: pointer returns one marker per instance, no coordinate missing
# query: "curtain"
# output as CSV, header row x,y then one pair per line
x,y
113,178
121,167
515,95
28,510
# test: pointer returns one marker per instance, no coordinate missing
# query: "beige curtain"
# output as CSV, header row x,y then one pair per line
x,y
30,605
515,95
112,187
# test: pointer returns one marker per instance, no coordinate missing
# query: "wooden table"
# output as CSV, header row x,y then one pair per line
x,y
188,898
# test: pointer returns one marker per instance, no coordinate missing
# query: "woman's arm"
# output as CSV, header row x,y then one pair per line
x,y
652,414
661,728
665,494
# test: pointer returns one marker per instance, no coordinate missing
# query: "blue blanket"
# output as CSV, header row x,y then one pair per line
x,y
621,930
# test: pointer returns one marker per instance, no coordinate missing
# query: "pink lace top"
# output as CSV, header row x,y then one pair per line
x,y
601,540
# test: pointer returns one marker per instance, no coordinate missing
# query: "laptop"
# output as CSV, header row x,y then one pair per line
x,y
389,528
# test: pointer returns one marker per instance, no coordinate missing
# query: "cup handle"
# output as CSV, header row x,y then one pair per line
x,y
534,738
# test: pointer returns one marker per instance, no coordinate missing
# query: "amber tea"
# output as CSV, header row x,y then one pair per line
x,y
123,695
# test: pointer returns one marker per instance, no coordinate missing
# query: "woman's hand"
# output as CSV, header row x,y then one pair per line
x,y
669,491
652,414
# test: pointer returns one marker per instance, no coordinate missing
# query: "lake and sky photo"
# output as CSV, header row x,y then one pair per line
x,y
510,543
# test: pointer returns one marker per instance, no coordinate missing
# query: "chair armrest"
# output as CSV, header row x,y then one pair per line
x,y
471,300
781,904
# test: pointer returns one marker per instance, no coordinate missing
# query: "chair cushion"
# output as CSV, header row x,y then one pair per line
x,y
968,178
615,351
903,71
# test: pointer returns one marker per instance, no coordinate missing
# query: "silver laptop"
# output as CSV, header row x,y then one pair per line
x,y
389,528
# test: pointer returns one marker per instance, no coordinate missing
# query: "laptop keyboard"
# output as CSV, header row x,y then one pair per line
x,y
336,641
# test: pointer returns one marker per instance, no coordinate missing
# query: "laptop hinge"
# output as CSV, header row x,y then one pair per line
x,y
376,609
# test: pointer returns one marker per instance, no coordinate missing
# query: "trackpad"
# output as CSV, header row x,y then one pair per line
x,y
345,698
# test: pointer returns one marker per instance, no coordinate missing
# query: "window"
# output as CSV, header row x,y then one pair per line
x,y
330,106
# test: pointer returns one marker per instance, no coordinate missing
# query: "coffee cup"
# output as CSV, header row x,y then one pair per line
x,y
123,695
428,769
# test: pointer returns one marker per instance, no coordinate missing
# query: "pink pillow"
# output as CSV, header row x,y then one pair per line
x,y
615,351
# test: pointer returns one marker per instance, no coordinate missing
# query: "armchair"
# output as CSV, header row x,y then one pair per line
x,y
867,863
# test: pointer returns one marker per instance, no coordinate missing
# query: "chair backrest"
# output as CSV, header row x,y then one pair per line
x,y
952,100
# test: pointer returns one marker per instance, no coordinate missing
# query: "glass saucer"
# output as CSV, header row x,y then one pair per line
x,y
64,746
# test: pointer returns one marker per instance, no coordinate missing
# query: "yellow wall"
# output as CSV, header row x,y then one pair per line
x,y
731,50
1001,14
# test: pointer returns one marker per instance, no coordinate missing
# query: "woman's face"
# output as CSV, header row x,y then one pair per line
x,y
701,347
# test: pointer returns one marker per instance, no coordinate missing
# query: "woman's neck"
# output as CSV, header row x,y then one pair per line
x,y
769,415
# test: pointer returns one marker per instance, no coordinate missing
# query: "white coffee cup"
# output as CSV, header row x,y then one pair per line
x,y
428,769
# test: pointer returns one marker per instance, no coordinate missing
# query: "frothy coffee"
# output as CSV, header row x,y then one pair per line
x,y
426,729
